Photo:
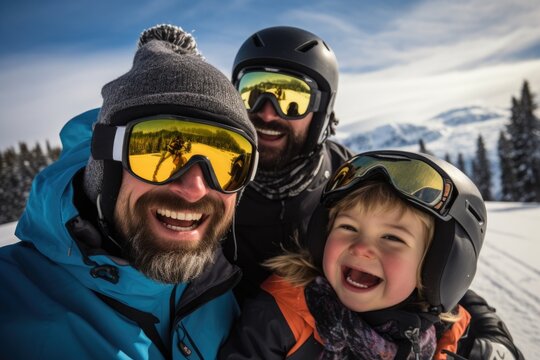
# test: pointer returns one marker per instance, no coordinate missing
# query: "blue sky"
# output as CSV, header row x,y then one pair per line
x,y
399,60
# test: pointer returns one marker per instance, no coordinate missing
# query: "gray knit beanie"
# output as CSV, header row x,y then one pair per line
x,y
168,76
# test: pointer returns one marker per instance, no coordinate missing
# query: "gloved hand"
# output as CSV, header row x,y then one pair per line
x,y
484,349
488,337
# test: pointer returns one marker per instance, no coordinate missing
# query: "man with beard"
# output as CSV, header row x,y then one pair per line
x,y
275,69
113,263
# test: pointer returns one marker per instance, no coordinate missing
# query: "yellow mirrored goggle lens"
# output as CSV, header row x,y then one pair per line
x,y
412,177
292,94
158,149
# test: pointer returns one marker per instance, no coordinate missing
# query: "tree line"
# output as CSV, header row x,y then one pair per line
x,y
17,170
156,142
518,150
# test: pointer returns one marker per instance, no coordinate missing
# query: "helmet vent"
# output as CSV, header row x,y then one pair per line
x,y
257,41
475,214
307,46
326,46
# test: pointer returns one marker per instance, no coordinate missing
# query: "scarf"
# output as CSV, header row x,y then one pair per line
x,y
346,334
291,180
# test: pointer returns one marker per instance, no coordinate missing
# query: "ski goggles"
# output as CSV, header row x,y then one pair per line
x,y
159,150
414,176
292,95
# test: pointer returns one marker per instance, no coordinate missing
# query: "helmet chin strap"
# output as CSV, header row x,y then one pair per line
x,y
233,224
233,228
103,225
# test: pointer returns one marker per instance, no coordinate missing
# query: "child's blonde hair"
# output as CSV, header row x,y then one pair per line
x,y
298,267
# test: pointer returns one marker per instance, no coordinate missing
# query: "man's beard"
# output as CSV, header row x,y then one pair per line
x,y
271,159
164,260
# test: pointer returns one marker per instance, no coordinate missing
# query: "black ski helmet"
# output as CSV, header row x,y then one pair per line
x,y
450,262
291,48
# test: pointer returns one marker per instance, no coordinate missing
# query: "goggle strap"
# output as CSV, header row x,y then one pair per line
x,y
118,145
103,141
317,100
255,165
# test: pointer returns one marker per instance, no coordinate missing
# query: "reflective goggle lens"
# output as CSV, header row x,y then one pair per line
x,y
293,94
158,149
414,178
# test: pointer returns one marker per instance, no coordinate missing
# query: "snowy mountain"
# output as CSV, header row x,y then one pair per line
x,y
451,132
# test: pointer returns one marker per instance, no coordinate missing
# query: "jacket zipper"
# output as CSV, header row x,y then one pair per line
x,y
195,303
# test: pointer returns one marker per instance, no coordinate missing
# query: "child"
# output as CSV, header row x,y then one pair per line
x,y
404,234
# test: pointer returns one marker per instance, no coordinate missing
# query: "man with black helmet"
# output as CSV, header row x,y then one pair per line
x,y
274,68
116,261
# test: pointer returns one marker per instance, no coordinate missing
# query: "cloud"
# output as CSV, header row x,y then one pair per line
x,y
433,35
38,97
384,96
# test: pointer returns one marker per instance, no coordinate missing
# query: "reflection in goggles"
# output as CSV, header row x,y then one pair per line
x,y
158,149
293,94
412,177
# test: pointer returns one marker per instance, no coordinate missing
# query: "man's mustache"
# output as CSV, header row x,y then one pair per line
x,y
272,125
167,200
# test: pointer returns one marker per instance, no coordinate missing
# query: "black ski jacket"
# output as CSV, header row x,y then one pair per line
x,y
264,227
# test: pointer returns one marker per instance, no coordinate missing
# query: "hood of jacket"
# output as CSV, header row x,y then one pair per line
x,y
50,208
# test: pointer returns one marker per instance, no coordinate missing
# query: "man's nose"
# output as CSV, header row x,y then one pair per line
x,y
191,186
267,112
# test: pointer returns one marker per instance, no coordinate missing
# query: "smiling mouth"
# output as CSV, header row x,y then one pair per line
x,y
360,280
179,221
269,134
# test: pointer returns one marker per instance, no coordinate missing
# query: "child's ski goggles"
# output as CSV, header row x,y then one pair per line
x,y
292,95
417,178
159,150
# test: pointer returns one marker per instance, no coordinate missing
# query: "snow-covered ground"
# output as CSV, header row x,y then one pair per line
x,y
508,273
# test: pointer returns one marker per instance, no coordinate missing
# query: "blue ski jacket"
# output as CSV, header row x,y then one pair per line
x,y
61,300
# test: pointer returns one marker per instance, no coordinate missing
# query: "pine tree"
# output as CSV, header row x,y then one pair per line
x,y
447,158
535,144
461,163
481,170
507,168
422,147
53,153
3,189
523,137
39,160
17,171
9,192
532,125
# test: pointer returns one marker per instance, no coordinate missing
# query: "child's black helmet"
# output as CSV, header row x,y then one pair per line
x,y
290,48
458,209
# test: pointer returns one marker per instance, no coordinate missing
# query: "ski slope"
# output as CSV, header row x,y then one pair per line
x,y
508,274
